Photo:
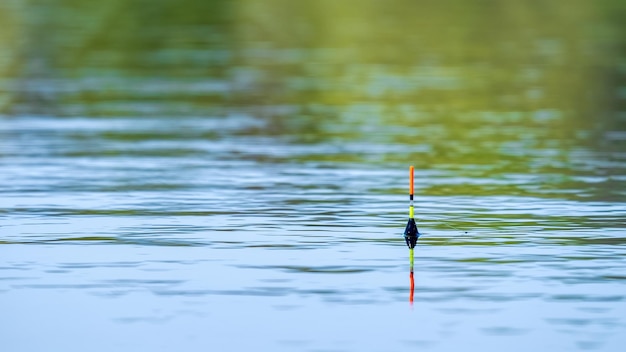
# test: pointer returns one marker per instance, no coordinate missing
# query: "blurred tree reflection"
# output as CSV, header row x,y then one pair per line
x,y
558,64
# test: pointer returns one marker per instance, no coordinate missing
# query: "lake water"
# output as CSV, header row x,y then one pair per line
x,y
233,176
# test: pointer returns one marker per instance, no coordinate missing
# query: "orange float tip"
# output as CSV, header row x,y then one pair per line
x,y
411,171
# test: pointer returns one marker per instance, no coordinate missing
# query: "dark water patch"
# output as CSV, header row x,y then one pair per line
x,y
589,345
98,240
504,331
589,241
90,265
150,187
15,278
489,261
79,287
576,258
53,211
163,242
189,293
257,291
135,153
587,298
568,190
230,242
469,241
274,246
570,321
579,279
504,297
597,310
56,271
9,242
159,230
132,212
139,136
104,239
317,292
488,273
331,269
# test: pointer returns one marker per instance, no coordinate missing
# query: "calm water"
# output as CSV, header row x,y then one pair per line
x,y
233,175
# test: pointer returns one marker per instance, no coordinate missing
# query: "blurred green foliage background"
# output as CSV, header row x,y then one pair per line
x,y
474,71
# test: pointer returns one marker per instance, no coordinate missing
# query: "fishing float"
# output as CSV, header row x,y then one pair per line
x,y
411,233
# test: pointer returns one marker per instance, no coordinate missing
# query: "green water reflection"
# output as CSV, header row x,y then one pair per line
x,y
477,89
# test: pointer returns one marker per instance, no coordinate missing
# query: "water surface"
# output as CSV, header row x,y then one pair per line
x,y
233,175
